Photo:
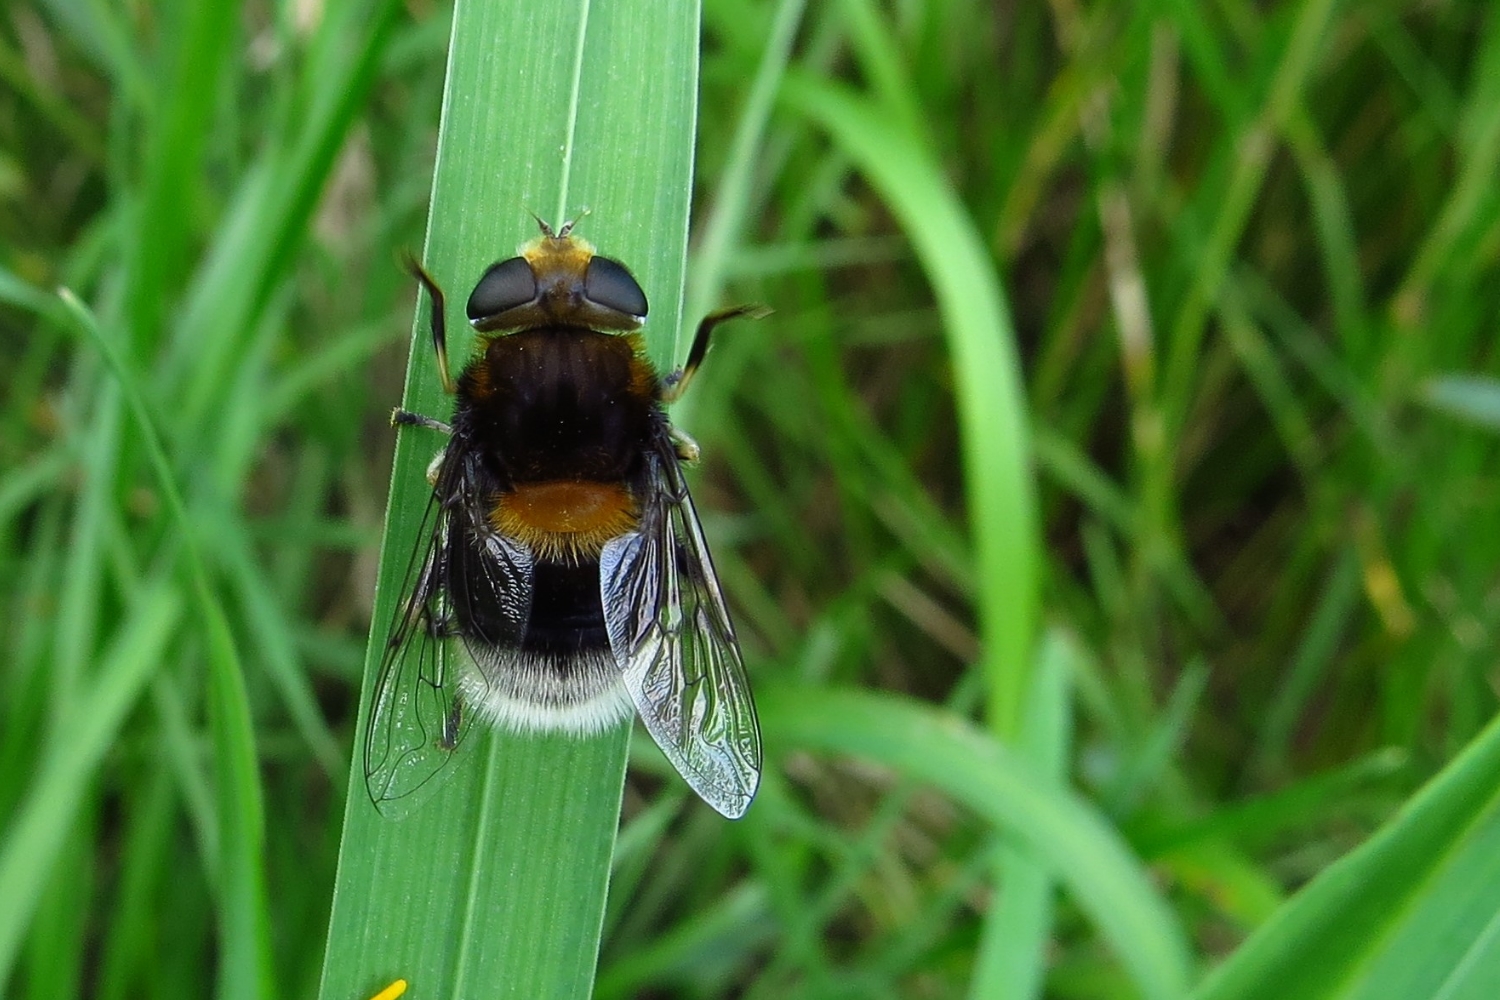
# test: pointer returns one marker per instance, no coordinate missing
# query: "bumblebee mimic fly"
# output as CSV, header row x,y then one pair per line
x,y
560,579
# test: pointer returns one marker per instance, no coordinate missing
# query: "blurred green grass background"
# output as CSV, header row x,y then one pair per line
x,y
1241,623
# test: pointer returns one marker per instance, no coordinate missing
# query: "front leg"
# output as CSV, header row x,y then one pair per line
x,y
675,384
436,319
406,418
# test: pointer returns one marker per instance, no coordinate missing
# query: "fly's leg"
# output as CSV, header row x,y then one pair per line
x,y
435,467
687,449
675,384
453,725
435,320
406,418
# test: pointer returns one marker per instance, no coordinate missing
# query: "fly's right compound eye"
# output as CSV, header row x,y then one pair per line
x,y
505,286
607,283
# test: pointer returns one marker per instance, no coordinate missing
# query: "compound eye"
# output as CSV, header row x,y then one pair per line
x,y
504,286
608,284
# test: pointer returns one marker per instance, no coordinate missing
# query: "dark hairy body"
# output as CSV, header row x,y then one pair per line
x,y
560,417
561,581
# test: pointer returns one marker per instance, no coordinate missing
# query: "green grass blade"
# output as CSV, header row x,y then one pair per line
x,y
722,230
173,154
1074,843
1011,964
991,401
268,219
1474,399
1411,913
496,883
267,622
41,824
145,864
992,410
244,924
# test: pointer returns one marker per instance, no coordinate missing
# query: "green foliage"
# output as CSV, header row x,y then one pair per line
x,y
1105,509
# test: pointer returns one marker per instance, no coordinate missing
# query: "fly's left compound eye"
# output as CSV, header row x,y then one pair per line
x,y
505,286
607,283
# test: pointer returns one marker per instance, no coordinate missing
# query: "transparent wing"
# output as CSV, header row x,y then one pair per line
x,y
417,718
420,714
670,632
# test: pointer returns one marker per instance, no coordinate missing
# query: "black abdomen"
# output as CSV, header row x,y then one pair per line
x,y
567,616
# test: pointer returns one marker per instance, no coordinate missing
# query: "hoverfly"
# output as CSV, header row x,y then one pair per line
x,y
560,579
